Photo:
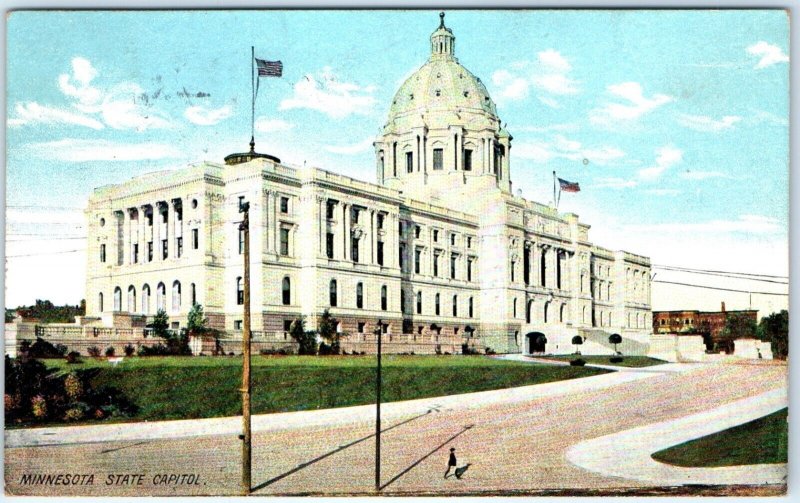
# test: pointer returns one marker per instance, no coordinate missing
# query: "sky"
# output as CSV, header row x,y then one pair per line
x,y
674,123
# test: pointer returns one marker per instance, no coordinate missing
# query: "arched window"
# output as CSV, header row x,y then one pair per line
x,y
239,291
419,302
332,293
161,297
100,301
436,304
455,305
360,295
384,298
546,309
194,294
562,312
117,299
529,312
131,299
176,296
286,291
514,314
146,298
584,314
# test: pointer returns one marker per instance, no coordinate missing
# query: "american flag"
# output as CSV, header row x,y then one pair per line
x,y
568,186
269,68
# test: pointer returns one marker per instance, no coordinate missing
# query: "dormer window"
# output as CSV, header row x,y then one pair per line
x,y
466,94
438,93
411,96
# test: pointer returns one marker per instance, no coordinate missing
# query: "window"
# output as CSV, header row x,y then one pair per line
x,y
380,253
543,270
100,301
513,266
161,297
176,296
102,253
417,260
286,291
356,214
285,242
355,249
469,241
469,269
409,162
329,245
237,324
284,204
436,264
239,291
360,295
514,312
329,207
380,220
402,257
402,302
453,258
455,305
131,299
117,299
467,160
332,293
135,253
241,241
287,325
384,298
194,294
419,302
164,250
436,305
178,249
452,239
146,299
149,251
195,239
438,161
435,236
470,307
417,231
361,325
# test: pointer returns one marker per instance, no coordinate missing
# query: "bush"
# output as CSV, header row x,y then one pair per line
x,y
489,351
578,362
93,351
72,357
39,407
615,359
110,351
154,350
73,386
44,349
73,414
129,350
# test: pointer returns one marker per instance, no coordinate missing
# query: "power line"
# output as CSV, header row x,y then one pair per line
x,y
688,269
46,253
717,288
44,238
733,276
37,207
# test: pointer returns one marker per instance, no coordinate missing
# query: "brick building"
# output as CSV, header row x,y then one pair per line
x,y
709,323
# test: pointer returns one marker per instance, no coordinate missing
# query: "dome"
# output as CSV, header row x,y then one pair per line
x,y
442,84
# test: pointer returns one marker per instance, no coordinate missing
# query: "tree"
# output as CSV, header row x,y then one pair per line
x,y
737,326
160,324
577,341
775,329
328,333
196,322
615,339
177,342
306,341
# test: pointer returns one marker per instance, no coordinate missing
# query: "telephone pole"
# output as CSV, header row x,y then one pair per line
x,y
378,331
246,436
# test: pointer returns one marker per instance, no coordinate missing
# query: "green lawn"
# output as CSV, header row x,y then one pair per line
x,y
627,361
196,387
765,440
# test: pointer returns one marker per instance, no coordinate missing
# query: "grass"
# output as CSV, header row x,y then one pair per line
x,y
763,441
198,387
627,361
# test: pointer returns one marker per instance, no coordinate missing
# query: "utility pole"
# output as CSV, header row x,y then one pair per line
x,y
378,331
244,207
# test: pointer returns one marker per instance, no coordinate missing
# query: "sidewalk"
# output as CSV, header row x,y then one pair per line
x,y
627,454
61,435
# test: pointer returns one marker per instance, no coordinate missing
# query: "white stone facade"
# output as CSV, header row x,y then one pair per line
x,y
441,223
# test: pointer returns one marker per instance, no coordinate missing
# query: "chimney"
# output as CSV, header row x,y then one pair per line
x,y
723,306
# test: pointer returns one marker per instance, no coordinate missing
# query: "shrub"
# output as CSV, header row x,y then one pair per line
x,y
73,414
73,386
72,357
44,349
438,349
154,350
39,407
110,351
615,359
578,362
93,351
129,350
307,341
61,349
489,351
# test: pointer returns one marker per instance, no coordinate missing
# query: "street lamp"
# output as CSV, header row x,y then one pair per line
x,y
378,331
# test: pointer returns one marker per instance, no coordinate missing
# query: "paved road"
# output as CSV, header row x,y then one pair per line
x,y
517,445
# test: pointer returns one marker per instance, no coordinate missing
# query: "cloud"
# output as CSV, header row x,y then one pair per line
x,y
770,54
121,110
324,93
353,149
206,117
264,125
706,123
702,175
82,73
81,150
749,224
667,157
634,106
509,87
550,102
34,113
547,74
564,127
560,147
614,183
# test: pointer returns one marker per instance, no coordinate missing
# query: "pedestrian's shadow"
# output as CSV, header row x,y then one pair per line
x,y
338,449
461,471
426,456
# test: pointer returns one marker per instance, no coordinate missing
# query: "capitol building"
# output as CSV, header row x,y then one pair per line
x,y
438,247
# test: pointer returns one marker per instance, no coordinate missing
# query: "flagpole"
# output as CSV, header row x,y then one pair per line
x,y
253,98
554,190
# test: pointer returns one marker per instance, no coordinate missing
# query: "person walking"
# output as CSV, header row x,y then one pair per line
x,y
451,463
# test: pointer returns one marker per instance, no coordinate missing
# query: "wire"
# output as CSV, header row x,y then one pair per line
x,y
718,288
689,269
46,253
35,206
726,276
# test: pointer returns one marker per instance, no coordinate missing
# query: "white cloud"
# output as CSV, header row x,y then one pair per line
x,y
548,74
555,83
264,125
206,117
120,109
82,73
667,157
770,54
353,149
81,150
614,183
565,127
706,123
324,93
702,175
34,113
560,147
509,87
553,61
635,105
550,102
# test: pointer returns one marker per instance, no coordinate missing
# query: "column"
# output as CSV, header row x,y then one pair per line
x,y
345,231
142,235
322,220
170,230
373,237
157,231
267,221
276,229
